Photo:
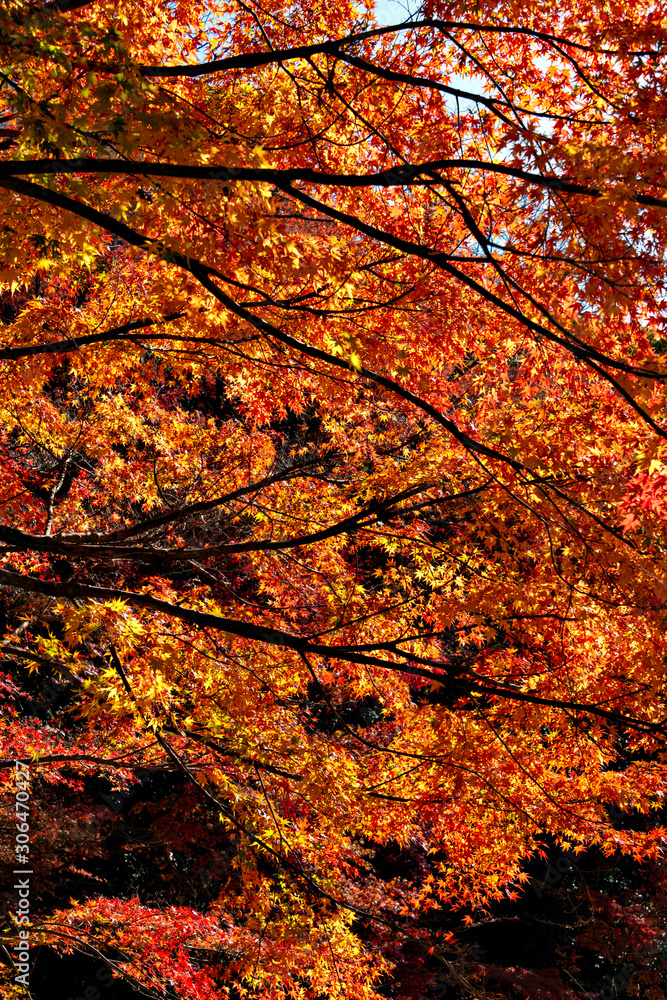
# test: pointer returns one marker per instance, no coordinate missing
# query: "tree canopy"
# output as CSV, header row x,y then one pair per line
x,y
333,462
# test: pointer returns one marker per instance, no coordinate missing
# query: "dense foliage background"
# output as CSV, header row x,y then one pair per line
x,y
333,555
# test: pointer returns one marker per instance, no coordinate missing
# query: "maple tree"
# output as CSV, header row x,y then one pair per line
x,y
333,469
